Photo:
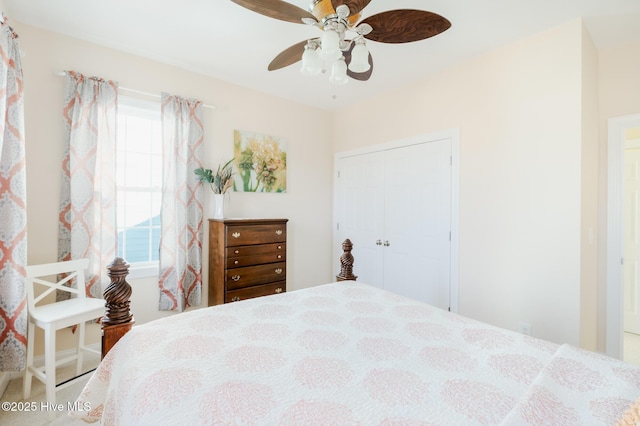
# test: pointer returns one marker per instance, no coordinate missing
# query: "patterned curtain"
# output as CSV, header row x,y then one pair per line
x,y
13,207
87,222
182,204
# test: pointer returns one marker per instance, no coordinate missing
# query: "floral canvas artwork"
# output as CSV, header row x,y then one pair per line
x,y
260,162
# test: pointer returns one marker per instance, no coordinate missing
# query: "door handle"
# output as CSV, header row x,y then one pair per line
x,y
387,243
378,242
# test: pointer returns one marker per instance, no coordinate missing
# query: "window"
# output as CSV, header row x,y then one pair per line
x,y
139,184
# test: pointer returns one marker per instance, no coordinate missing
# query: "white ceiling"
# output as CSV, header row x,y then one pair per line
x,y
223,40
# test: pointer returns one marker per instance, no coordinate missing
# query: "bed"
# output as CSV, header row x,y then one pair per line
x,y
346,353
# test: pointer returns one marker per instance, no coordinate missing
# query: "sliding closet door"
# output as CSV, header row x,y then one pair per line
x,y
395,206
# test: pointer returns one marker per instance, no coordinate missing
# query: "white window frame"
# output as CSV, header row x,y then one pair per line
x,y
151,268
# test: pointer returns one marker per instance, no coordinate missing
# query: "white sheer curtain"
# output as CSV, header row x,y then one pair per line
x,y
13,207
87,224
182,204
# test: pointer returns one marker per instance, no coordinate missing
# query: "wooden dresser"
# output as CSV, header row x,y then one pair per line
x,y
247,258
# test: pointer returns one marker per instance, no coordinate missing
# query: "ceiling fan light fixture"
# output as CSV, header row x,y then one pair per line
x,y
337,18
339,72
359,57
311,61
330,42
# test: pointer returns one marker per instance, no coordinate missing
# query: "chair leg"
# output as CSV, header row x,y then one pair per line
x,y
26,381
50,366
80,350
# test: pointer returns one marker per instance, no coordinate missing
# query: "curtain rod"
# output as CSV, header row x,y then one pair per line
x,y
139,92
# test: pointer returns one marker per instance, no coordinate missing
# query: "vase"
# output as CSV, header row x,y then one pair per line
x,y
218,206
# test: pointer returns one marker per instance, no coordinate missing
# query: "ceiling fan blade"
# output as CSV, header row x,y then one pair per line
x,y
355,6
289,56
362,76
277,9
405,25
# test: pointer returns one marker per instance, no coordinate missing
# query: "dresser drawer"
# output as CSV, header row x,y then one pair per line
x,y
254,275
255,291
280,248
242,235
258,259
247,258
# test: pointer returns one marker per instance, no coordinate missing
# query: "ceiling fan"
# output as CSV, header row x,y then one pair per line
x,y
349,57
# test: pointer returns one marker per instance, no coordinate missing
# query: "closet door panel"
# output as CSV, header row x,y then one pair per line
x,y
418,221
360,210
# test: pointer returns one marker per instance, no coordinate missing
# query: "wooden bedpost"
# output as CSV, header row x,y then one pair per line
x,y
346,263
117,320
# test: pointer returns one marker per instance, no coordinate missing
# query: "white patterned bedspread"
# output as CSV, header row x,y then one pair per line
x,y
348,354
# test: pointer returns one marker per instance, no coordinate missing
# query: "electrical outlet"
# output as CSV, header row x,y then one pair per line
x,y
524,328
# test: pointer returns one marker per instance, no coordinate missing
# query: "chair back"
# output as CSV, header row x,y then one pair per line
x,y
55,276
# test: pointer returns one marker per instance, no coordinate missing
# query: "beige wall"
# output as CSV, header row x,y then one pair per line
x,y
519,114
619,93
307,203
589,196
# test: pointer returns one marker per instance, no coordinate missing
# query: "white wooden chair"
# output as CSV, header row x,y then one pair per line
x,y
56,315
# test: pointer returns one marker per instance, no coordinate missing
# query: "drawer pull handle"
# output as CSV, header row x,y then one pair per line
x,y
236,277
236,262
279,232
279,290
279,256
236,235
235,299
278,271
237,252
279,247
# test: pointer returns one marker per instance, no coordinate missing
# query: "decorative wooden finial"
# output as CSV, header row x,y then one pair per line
x,y
117,319
118,294
346,263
